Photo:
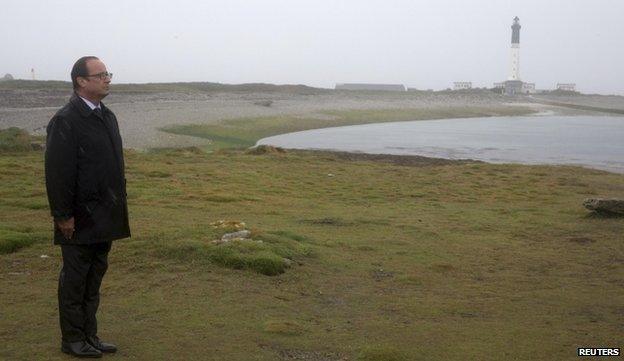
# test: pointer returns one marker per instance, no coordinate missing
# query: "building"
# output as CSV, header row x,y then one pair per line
x,y
528,88
459,85
365,86
571,87
513,87
419,90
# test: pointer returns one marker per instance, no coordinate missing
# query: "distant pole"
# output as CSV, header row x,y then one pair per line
x,y
32,72
515,50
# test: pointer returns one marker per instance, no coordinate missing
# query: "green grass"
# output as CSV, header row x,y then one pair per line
x,y
245,132
12,241
379,262
269,254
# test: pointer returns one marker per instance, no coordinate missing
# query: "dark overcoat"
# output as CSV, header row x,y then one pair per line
x,y
84,170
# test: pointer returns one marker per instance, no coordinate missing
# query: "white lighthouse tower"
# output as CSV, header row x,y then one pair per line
x,y
513,85
515,50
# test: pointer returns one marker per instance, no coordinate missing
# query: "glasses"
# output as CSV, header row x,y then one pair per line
x,y
103,75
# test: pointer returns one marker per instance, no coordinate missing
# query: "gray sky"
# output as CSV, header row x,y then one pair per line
x,y
419,43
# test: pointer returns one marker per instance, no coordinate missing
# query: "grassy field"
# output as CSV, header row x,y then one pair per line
x,y
245,132
359,260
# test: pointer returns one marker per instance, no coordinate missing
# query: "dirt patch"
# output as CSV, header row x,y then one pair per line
x,y
581,240
303,355
328,221
310,355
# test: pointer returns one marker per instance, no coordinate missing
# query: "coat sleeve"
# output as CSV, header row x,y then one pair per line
x,y
61,167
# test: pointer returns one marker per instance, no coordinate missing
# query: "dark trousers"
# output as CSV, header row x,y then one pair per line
x,y
84,267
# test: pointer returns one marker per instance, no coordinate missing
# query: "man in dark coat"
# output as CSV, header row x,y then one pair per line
x,y
84,170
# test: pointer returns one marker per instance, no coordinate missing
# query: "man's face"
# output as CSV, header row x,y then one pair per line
x,y
95,86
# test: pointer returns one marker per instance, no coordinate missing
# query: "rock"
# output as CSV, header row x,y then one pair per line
x,y
234,235
605,205
380,274
221,241
7,76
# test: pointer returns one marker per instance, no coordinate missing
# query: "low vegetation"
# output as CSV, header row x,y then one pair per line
x,y
245,132
18,140
347,260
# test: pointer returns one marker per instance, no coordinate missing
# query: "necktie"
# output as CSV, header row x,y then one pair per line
x,y
98,112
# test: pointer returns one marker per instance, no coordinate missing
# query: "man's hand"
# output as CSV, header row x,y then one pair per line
x,y
66,227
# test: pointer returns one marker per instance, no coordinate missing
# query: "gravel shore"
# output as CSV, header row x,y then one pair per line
x,y
141,114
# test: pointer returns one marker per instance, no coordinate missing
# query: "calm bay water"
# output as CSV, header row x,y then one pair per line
x,y
591,141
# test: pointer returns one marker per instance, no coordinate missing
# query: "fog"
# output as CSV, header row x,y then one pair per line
x,y
422,44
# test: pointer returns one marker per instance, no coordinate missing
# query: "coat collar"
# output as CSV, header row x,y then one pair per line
x,y
82,107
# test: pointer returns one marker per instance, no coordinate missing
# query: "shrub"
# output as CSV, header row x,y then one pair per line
x,y
15,139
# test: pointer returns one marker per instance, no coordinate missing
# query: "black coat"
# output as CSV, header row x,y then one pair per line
x,y
84,170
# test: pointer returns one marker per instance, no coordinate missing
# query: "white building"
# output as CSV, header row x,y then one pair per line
x,y
365,86
459,85
566,86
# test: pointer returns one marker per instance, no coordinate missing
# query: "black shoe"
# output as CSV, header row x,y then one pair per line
x,y
80,349
101,346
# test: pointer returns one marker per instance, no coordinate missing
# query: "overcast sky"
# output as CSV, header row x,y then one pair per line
x,y
419,43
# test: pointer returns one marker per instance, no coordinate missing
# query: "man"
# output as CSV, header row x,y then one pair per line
x,y
85,181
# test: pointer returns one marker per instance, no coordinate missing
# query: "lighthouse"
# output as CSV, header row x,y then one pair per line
x,y
513,85
515,50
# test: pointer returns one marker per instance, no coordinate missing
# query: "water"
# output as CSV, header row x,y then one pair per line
x,y
591,141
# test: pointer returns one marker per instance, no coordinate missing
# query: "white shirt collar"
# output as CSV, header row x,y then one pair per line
x,y
91,105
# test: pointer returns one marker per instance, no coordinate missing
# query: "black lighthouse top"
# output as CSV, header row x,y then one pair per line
x,y
515,31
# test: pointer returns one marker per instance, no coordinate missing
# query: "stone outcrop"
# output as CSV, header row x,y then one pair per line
x,y
234,235
613,206
240,236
